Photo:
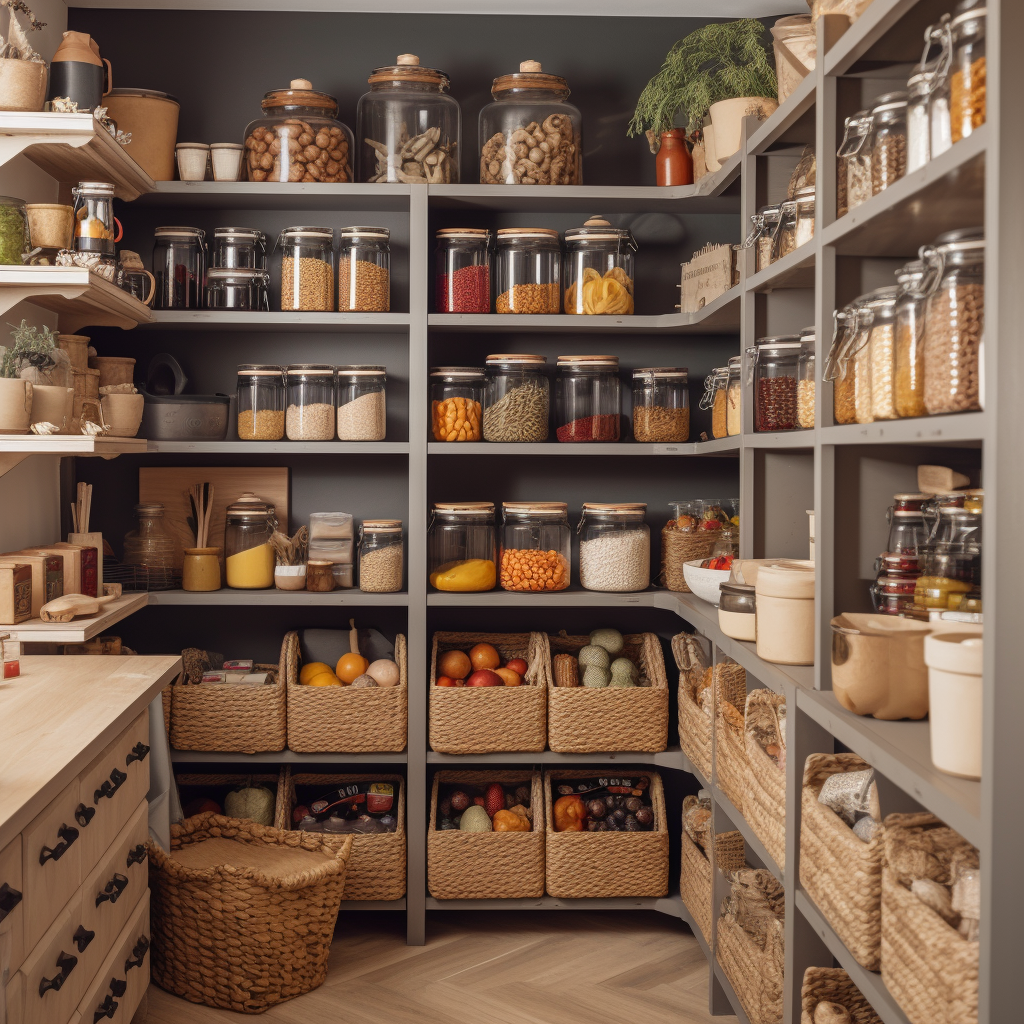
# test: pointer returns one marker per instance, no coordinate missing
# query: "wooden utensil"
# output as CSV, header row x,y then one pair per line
x,y
64,609
940,480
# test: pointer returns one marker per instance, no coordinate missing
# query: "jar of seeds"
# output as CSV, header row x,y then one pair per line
x,y
260,401
775,373
517,399
307,269
362,412
364,270
310,412
529,271
661,404
381,554
888,140
806,381
853,164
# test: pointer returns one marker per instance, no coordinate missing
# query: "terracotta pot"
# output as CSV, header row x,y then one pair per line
x,y
51,225
727,117
673,164
200,570
15,405
22,84
52,404
122,414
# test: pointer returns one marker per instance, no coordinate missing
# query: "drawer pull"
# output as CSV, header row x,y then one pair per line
x,y
9,899
106,1009
67,836
117,779
66,962
82,938
83,814
118,987
138,855
138,753
112,890
138,954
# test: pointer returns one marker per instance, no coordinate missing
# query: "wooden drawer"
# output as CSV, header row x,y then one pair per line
x,y
122,980
12,909
113,786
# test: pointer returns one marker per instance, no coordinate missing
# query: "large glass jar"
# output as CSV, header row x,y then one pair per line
x,y
888,140
307,269
411,129
956,545
517,399
239,247
249,557
692,532
910,340
850,376
806,380
528,271
311,406
661,404
96,227
150,546
715,400
15,243
855,160
462,271
854,131
919,90
882,352
237,288
615,547
260,398
364,270
530,135
587,398
775,376
967,70
599,268
179,266
362,410
762,229
804,199
734,397
535,546
461,548
456,402
299,139
954,321
381,556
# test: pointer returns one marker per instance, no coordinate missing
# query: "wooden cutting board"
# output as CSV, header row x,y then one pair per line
x,y
169,485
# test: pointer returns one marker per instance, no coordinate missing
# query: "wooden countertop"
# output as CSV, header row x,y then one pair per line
x,y
58,715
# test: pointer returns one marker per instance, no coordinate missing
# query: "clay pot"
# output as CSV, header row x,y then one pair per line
x,y
152,119
200,570
113,369
15,405
52,404
22,84
727,118
122,414
77,348
673,164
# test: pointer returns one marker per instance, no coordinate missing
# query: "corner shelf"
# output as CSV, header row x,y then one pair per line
x,y
15,448
750,837
228,320
794,270
284,195
270,598
77,630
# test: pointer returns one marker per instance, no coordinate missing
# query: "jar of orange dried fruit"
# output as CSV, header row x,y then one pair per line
x,y
535,546
456,394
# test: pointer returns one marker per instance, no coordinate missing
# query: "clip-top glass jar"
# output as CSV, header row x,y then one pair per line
x,y
529,271
967,70
239,247
463,271
15,245
364,270
456,402
307,269
587,398
530,135
249,557
517,400
910,340
411,129
461,547
599,268
615,547
150,546
806,382
96,227
661,404
260,397
299,139
850,126
237,288
762,229
854,161
715,399
734,397
919,90
775,377
882,352
535,546
362,410
956,545
179,266
888,140
381,555
311,409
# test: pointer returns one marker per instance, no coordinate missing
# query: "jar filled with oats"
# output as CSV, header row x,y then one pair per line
x,y
910,340
517,398
260,398
381,556
882,352
307,269
528,271
310,410
806,380
661,404
364,270
888,140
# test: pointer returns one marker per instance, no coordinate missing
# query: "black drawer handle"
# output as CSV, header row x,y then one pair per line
x,y
66,962
9,899
117,779
83,814
67,836
112,890
106,1009
138,954
138,855
82,938
138,753
118,987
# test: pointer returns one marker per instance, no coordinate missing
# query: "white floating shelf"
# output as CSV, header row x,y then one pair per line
x,y
15,448
77,630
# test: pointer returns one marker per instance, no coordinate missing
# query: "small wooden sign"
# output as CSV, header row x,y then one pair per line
x,y
709,274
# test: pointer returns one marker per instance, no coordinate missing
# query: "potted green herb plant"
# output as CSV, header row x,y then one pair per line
x,y
22,70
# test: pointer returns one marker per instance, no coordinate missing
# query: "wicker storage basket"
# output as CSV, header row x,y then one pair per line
x,y
486,865
243,939
233,780
756,974
697,874
485,719
930,970
230,717
601,864
343,719
586,719
764,796
694,723
376,865
840,872
730,681
833,985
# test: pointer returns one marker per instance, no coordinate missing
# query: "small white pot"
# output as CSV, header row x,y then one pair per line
x,y
192,160
227,160
727,117
954,663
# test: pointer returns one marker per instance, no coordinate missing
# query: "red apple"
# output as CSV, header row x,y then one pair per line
x,y
485,677
517,665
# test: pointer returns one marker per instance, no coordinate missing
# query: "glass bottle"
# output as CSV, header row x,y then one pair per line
x,y
260,399
461,549
249,557
615,547
151,548
364,270
15,241
775,379
910,340
96,227
179,266
587,398
307,269
462,272
528,271
715,400
599,268
661,404
311,410
734,397
535,546
239,247
456,402
381,556
362,403
967,70
517,398
888,140
806,383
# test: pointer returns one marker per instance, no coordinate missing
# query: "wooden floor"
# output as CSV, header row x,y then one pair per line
x,y
506,967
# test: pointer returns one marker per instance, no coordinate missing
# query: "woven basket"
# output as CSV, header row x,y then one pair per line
x,y
756,974
764,796
586,719
697,874
233,780
833,985
601,864
730,681
242,939
840,873
694,724
678,547
343,719
376,865
230,717
930,970
486,865
485,719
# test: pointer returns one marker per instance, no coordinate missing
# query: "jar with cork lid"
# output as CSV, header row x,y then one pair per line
x,y
456,402
517,398
535,546
615,547
461,549
528,271
249,557
599,269
661,404
362,409
364,270
260,398
381,554
462,271
310,413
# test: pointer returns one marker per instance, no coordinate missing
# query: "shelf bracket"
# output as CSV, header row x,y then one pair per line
x,y
14,145
8,460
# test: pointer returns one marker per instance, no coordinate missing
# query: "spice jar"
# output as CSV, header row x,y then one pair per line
x,y
737,606
364,270
96,227
908,535
179,266
381,555
716,386
919,90
530,135
15,244
517,397
311,409
299,139
411,129
854,132
888,140
785,612
692,532
528,271
362,410
249,558
954,321
806,382
456,400
535,546
892,593
463,271
775,373
587,398
239,247
910,340
734,397
150,546
461,546
661,404
237,288
260,400
307,269
599,268
882,352
967,69
615,547
855,159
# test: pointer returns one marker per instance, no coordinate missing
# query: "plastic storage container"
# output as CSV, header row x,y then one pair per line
x,y
734,397
364,270
239,247
715,399
888,140
775,368
179,266
806,381
910,340
530,134
456,402
237,288
535,546
362,403
785,613
260,399
15,242
661,404
410,129
461,547
517,398
331,540
310,414
587,398
381,555
615,547
967,70
249,558
307,269
599,269
463,271
528,271
96,227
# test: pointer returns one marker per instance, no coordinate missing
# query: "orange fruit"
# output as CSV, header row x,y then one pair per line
x,y
508,677
327,678
350,667
314,668
454,664
484,656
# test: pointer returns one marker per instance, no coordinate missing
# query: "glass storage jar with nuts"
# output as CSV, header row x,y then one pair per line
x,y
310,413
462,271
364,270
661,404
299,139
260,397
381,555
587,398
599,268
888,140
528,271
362,412
535,546
530,135
307,269
410,128
456,401
910,340
517,399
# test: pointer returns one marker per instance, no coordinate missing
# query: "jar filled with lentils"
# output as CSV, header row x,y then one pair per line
x,y
462,275
714,400
661,404
615,547
882,352
456,402
910,340
310,410
535,546
528,271
364,270
775,373
381,554
587,398
517,398
307,269
362,408
734,397
806,380
260,398
888,140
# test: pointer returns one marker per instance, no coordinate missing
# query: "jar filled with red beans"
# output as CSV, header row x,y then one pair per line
x,y
775,382
463,273
587,398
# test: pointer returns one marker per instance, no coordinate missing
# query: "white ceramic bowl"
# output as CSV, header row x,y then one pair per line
x,y
704,582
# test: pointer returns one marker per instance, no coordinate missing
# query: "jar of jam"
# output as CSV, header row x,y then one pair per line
x,y
891,594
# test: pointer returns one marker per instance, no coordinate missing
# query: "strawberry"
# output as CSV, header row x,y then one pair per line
x,y
494,800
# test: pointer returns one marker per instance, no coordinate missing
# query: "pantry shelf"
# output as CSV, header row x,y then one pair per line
x,y
663,905
250,195
572,597
363,323
780,439
966,428
794,270
625,448
15,448
77,630
351,598
281,447
673,758
287,757
734,1002
888,32
749,836
792,116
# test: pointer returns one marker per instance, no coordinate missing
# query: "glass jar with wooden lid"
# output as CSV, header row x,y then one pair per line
x,y
528,271
587,398
517,399
461,550
535,546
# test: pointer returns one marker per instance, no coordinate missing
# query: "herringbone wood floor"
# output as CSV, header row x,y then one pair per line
x,y
506,967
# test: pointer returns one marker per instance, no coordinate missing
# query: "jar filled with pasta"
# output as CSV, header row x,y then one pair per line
x,y
882,352
456,402
734,397
599,269
967,70
910,340
806,382
888,140
714,400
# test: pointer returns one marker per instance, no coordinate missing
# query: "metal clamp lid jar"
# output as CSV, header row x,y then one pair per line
x,y
179,266
853,164
456,402
529,271
714,399
775,373
615,547
587,398
461,548
364,270
888,140
661,404
237,288
249,523
535,546
239,247
518,398
599,269
967,70
462,271
96,227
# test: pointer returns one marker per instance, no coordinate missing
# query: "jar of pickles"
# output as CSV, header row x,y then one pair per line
x,y
249,557
806,380
910,340
734,397
381,556
535,546
599,269
463,271
179,266
716,386
775,378
528,271
587,398
260,398
661,405
456,402
362,403
888,140
461,547
517,398
364,270
615,547
307,269
967,69
239,248
311,410
237,288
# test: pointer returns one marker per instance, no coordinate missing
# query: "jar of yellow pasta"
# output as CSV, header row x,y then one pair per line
x,y
599,269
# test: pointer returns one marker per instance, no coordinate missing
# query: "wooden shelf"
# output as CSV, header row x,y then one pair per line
x,y
77,630
290,322
794,270
15,448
